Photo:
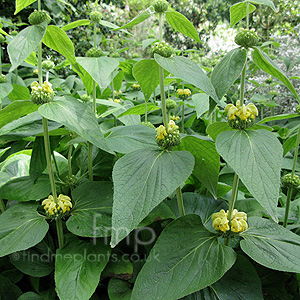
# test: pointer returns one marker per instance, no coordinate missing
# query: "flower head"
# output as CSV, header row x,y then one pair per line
x,y
59,208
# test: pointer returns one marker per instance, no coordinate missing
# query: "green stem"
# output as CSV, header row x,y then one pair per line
x,y
287,206
90,161
40,70
0,59
55,164
94,98
296,152
182,119
60,232
146,111
162,96
48,158
95,34
180,201
70,160
160,21
2,206
232,202
248,15
16,74
243,80
39,5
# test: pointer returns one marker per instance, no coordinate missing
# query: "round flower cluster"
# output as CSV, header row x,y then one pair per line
x,y
183,93
241,116
247,38
3,78
116,100
38,17
175,118
85,98
148,124
48,65
238,222
41,94
59,208
94,52
136,86
170,104
160,6
168,137
291,181
95,16
161,48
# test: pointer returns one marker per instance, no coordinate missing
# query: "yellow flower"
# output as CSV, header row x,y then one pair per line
x,y
243,112
180,92
220,221
161,132
172,126
47,87
187,92
35,85
117,100
63,205
175,118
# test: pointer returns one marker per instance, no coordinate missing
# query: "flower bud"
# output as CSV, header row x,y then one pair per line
x,y
3,78
161,48
170,104
136,86
94,52
57,209
135,55
116,55
41,94
269,80
160,6
148,124
48,65
2,38
14,33
290,181
183,93
273,93
247,38
85,98
168,137
175,118
38,17
95,16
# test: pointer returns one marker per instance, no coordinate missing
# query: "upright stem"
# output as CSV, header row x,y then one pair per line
x,y
94,98
146,111
162,96
90,161
290,189
243,80
0,59
232,202
95,34
182,119
248,15
40,70
60,233
70,160
160,21
180,201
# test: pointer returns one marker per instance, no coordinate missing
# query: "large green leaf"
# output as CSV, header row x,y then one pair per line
x,y
76,24
78,117
38,162
214,129
119,289
8,290
264,2
262,60
100,68
180,23
24,43
91,214
78,267
5,89
146,72
256,157
238,12
21,227
142,180
30,296
141,17
228,70
272,245
16,110
139,109
186,258
126,139
19,92
56,39
278,117
240,282
25,189
207,161
188,71
201,103
21,4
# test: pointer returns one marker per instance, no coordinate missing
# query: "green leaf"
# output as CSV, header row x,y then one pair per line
x,y
78,117
278,117
21,4
118,267
272,245
91,214
19,92
141,17
146,72
189,71
119,290
38,162
35,261
30,296
289,144
264,2
181,24
118,79
214,129
76,24
25,189
8,290
21,227
266,64
78,269
256,157
142,180
5,89
126,139
139,109
32,59
240,282
201,102
207,161
113,26
238,12
228,70
56,39
16,110
186,258
26,41
100,68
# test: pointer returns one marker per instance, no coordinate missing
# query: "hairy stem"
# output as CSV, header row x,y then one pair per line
x,y
60,233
